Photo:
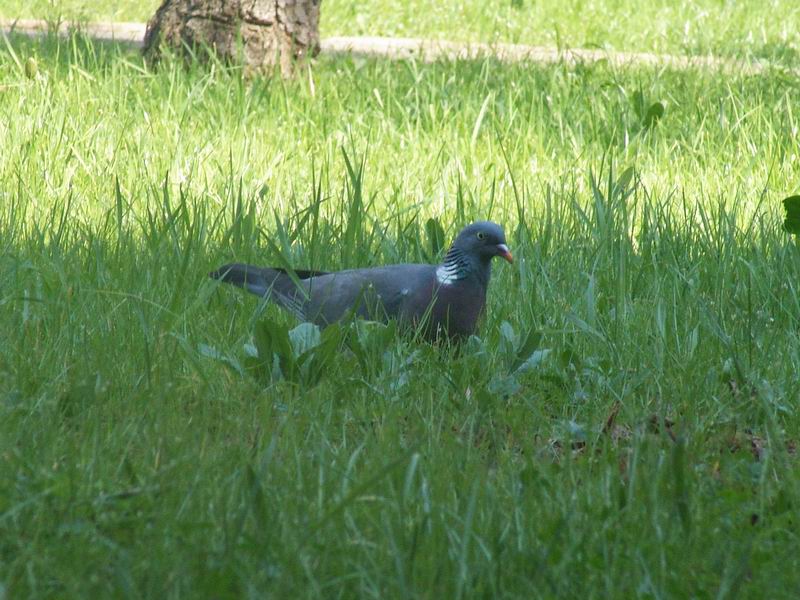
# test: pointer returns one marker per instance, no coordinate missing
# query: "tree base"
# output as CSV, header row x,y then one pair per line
x,y
259,34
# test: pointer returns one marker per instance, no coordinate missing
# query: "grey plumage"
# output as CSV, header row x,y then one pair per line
x,y
447,298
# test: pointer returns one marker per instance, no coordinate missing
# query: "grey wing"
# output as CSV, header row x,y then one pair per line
x,y
379,293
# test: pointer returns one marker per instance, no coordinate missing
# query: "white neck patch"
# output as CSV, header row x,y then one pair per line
x,y
446,274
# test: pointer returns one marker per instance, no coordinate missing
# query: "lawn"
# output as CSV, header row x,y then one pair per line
x,y
625,424
752,29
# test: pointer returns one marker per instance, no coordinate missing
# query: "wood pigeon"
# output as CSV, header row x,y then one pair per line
x,y
447,298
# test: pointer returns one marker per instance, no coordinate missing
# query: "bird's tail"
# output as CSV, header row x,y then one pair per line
x,y
273,284
254,279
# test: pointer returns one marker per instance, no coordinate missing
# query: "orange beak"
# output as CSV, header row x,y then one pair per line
x,y
502,250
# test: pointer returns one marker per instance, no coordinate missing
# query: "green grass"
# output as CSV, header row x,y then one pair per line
x,y
750,29
650,453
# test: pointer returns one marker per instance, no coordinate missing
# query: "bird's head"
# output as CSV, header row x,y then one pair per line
x,y
483,240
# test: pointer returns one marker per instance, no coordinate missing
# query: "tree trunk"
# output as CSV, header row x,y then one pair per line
x,y
261,34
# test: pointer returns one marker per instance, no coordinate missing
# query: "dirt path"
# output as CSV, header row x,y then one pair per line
x,y
430,50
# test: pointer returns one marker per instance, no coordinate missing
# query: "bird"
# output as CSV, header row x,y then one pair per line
x,y
446,300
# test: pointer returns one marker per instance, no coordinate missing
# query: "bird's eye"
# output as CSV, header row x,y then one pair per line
x,y
481,235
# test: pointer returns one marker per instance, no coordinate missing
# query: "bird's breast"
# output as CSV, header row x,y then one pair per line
x,y
457,306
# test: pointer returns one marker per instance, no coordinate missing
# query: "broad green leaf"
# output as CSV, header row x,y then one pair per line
x,y
369,340
31,68
272,339
654,113
624,180
303,338
436,238
323,353
213,353
792,221
534,360
526,348
507,334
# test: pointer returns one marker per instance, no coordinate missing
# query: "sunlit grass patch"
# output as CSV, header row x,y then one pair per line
x,y
624,424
